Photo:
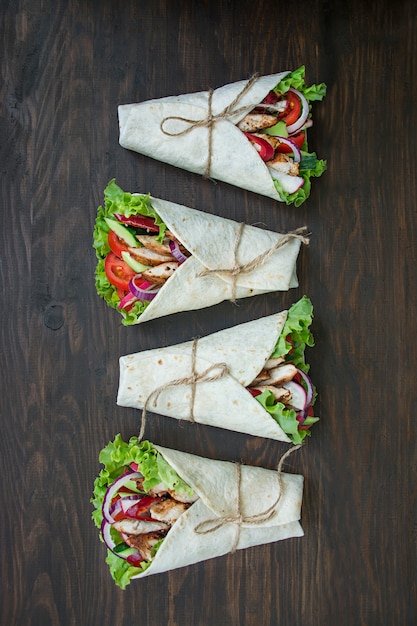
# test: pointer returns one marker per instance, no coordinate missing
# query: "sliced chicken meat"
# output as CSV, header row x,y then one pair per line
x,y
168,510
159,274
257,121
137,527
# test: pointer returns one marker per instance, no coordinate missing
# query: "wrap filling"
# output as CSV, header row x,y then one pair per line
x,y
136,252
138,497
277,128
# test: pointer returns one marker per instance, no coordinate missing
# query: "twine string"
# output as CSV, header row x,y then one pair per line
x,y
211,525
210,119
210,374
255,263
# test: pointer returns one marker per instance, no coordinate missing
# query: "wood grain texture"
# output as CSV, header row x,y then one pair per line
x,y
65,66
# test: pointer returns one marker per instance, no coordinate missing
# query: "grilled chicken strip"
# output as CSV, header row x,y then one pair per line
x,y
150,257
138,527
256,121
280,393
283,163
273,141
281,374
159,274
273,362
183,497
168,510
144,543
151,243
262,377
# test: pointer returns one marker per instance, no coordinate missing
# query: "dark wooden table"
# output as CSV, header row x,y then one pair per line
x,y
65,66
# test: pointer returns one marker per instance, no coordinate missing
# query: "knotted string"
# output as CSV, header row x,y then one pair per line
x,y
210,119
246,268
211,525
212,373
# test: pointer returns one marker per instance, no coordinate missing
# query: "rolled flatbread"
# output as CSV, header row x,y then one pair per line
x,y
228,507
207,381
217,246
175,130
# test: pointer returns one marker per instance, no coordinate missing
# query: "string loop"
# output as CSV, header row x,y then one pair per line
x,y
210,119
238,519
246,268
210,374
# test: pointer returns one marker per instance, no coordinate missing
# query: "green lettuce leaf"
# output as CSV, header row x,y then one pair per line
x,y
121,571
310,165
115,457
296,334
291,344
286,418
296,80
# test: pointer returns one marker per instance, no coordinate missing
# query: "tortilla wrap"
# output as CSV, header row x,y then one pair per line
x,y
145,378
211,241
205,531
233,159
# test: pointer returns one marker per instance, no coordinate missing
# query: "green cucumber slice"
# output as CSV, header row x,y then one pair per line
x,y
122,232
136,266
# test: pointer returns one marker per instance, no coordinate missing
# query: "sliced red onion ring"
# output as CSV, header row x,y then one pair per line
x,y
293,146
111,545
301,417
113,489
294,128
129,501
176,252
310,388
115,508
105,532
128,299
308,124
144,292
298,395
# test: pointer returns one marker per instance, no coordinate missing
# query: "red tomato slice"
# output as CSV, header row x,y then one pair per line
x,y
292,112
298,378
118,515
270,98
122,293
135,559
298,139
264,148
140,510
118,272
139,221
310,413
254,392
116,244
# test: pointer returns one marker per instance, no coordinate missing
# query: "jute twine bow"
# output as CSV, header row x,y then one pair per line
x,y
212,373
246,268
211,525
210,119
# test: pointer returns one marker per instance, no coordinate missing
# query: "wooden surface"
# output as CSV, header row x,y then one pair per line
x,y
65,66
